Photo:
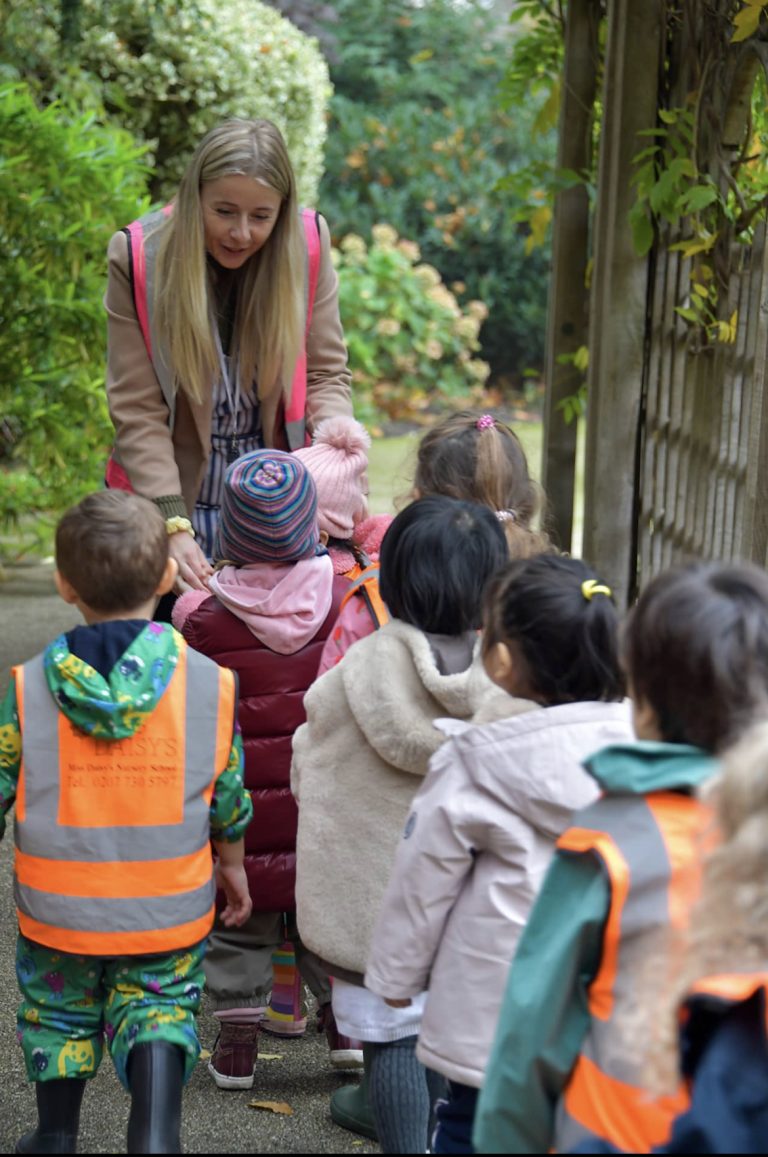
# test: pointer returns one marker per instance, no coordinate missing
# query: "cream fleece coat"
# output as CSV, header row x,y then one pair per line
x,y
357,764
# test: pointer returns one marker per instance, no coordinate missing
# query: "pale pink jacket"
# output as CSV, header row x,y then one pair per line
x,y
475,849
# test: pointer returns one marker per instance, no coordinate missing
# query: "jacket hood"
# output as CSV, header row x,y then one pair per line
x,y
113,707
282,604
533,760
396,694
643,766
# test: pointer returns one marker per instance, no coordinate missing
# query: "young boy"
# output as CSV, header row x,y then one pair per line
x,y
118,744
567,1068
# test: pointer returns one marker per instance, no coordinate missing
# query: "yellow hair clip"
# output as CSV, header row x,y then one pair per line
x,y
592,587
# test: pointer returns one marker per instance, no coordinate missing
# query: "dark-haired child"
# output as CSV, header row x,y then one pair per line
x,y
119,745
357,763
483,825
564,1072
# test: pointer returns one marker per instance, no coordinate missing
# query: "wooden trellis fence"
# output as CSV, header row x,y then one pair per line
x,y
677,431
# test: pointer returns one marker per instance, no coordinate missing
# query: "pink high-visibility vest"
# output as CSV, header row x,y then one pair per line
x,y
141,272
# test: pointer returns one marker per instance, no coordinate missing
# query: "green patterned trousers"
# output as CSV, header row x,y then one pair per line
x,y
72,1004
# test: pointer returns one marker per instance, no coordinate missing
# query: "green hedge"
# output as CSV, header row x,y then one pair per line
x,y
170,71
66,183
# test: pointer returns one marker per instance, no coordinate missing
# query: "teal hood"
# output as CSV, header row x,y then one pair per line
x,y
642,767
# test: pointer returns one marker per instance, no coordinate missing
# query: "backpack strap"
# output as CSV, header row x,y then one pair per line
x,y
366,585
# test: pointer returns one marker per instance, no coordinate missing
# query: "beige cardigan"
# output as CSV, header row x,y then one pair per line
x,y
160,463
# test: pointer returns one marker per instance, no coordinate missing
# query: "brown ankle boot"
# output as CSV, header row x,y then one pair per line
x,y
234,1056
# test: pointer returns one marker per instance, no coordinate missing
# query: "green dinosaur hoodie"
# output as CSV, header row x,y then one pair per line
x,y
106,678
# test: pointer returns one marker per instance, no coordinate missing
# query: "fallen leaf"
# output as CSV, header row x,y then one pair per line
x,y
272,1107
205,1054
270,1056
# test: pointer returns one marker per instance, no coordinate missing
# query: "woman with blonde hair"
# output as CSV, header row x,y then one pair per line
x,y
224,333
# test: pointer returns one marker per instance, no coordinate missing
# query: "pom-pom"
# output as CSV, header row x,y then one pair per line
x,y
342,433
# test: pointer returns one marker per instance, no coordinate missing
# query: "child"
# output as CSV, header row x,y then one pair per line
x,y
267,615
483,824
338,461
475,458
357,763
562,1072
719,991
120,748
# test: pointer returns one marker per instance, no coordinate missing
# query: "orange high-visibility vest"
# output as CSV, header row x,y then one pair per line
x,y
365,585
113,849
651,849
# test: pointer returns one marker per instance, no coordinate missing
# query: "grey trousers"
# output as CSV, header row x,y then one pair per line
x,y
238,962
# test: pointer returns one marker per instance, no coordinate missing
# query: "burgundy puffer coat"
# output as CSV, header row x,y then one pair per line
x,y
270,708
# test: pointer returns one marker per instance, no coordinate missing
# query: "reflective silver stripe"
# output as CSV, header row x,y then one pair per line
x,y
41,834
632,826
150,225
295,432
95,914
570,1133
369,573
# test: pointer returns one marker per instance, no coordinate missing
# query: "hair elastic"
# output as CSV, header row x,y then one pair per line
x,y
486,422
592,587
506,515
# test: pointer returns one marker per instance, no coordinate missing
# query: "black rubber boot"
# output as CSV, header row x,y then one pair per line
x,y
58,1115
350,1106
156,1080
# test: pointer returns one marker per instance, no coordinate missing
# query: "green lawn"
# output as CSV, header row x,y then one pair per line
x,y
391,467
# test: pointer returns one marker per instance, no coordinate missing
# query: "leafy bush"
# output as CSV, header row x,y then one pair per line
x,y
410,343
424,146
66,184
169,72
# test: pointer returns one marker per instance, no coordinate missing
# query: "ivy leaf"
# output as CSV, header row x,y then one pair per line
x,y
747,21
699,197
581,358
642,233
692,247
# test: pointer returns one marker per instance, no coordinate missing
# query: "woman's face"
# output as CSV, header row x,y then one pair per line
x,y
239,214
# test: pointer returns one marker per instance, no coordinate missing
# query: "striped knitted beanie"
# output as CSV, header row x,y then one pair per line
x,y
268,510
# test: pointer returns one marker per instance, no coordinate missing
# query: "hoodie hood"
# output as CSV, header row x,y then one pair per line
x,y
642,767
115,705
397,713
282,604
533,759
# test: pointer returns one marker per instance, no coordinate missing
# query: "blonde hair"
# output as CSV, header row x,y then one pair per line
x,y
269,318
478,459
729,924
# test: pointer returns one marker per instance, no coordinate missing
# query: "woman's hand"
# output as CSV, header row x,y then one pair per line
x,y
194,568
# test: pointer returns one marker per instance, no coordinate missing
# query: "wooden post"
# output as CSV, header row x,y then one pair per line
x,y
568,319
619,296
